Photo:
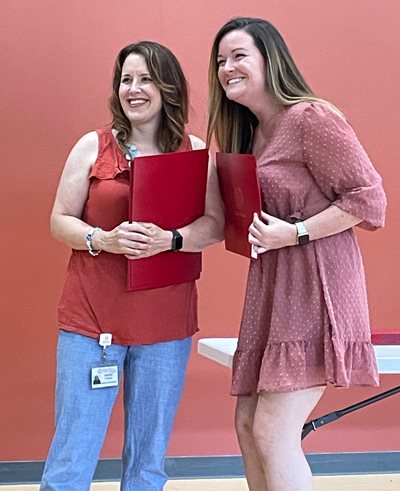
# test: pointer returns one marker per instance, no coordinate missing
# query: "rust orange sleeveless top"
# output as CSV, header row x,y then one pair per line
x,y
95,299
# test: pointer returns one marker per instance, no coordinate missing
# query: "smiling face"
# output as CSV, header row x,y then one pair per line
x,y
241,68
140,98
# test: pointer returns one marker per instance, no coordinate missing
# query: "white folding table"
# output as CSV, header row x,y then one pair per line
x,y
387,350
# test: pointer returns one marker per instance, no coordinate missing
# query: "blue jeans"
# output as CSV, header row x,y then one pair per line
x,y
153,381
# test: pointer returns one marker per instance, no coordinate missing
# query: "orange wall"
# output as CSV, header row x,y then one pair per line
x,y
55,78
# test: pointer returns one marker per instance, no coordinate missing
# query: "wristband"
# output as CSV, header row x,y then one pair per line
x,y
89,239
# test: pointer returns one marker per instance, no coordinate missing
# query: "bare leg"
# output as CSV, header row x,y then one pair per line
x,y
278,421
244,421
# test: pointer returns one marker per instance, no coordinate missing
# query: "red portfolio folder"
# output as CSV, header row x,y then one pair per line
x,y
168,190
240,190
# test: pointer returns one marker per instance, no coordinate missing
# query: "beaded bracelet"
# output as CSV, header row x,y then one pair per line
x,y
89,239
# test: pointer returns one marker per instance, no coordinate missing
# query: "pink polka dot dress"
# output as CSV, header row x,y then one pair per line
x,y
305,320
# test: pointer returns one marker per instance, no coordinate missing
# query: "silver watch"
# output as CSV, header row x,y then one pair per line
x,y
302,234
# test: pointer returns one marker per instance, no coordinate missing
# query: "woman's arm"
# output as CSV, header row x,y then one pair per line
x,y
273,233
208,229
342,171
66,224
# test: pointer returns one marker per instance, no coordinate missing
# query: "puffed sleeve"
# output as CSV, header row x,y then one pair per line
x,y
341,167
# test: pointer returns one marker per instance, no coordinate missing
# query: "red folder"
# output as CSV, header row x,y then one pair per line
x,y
168,190
240,190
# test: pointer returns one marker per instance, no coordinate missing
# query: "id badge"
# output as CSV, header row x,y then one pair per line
x,y
106,374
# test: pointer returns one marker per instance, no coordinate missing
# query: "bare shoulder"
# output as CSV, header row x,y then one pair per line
x,y
84,152
87,143
197,143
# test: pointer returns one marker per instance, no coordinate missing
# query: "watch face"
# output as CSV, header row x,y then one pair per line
x,y
177,240
302,235
303,239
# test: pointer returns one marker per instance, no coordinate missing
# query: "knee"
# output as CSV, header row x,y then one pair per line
x,y
263,433
269,434
244,425
272,438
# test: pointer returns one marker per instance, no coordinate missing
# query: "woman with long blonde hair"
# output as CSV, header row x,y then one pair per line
x,y
305,319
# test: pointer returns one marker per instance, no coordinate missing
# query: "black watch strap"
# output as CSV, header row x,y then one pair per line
x,y
177,241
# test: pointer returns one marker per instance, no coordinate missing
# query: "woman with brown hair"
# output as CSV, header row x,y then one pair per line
x,y
305,320
149,330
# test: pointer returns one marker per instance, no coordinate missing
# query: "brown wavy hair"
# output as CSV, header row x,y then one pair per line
x,y
168,76
231,123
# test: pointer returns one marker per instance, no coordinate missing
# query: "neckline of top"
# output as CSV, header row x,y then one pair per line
x,y
267,134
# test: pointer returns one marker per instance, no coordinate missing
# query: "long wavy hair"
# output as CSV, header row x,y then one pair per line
x,y
231,123
168,76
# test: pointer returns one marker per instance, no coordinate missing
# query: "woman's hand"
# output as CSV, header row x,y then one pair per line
x,y
135,240
271,233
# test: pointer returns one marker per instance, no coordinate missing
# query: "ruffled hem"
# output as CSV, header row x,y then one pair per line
x,y
105,170
290,366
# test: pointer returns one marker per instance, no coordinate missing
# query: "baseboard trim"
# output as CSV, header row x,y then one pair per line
x,y
231,466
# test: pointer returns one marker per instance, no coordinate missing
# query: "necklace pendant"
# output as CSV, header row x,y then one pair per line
x,y
133,150
132,153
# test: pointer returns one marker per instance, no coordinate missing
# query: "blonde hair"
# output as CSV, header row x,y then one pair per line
x,y
168,76
232,124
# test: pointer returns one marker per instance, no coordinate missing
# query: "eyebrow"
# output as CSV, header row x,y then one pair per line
x,y
236,49
143,74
